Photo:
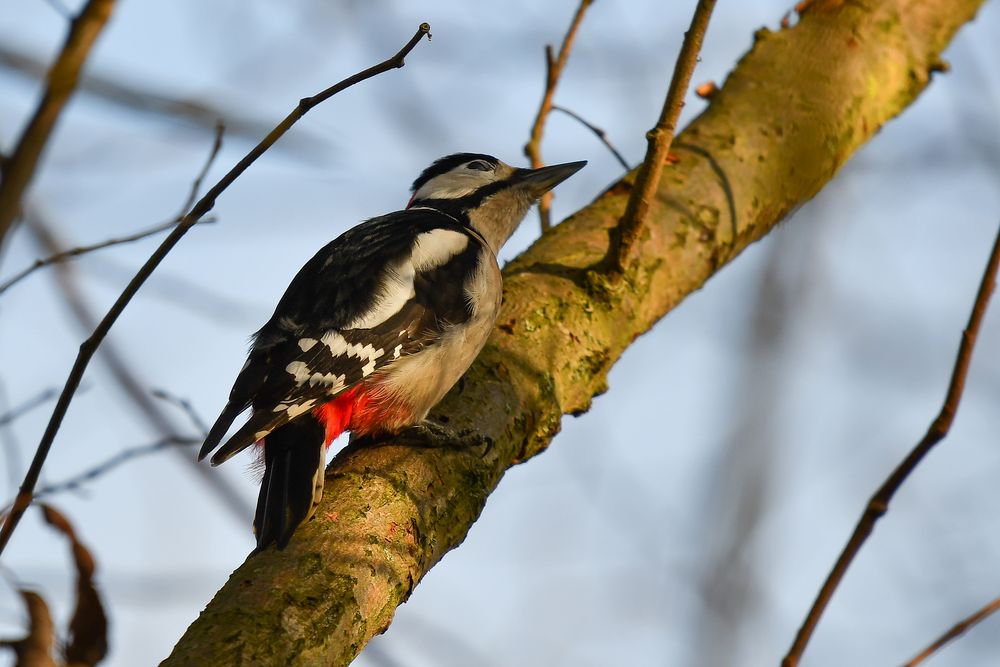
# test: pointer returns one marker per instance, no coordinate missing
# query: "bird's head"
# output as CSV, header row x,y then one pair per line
x,y
493,195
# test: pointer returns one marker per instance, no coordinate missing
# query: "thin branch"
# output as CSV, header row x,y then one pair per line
x,y
956,630
20,167
600,133
186,408
879,503
198,211
647,181
553,70
128,380
83,250
76,481
27,406
137,236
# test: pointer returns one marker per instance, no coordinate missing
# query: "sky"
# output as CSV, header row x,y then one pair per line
x,y
690,516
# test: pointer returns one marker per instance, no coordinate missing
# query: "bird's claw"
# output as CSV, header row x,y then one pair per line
x,y
435,434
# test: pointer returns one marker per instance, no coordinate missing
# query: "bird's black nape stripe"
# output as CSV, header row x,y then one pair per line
x,y
447,163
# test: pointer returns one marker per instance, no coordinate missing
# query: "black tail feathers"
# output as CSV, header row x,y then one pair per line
x,y
294,455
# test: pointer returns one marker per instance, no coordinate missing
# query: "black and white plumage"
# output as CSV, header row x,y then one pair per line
x,y
376,328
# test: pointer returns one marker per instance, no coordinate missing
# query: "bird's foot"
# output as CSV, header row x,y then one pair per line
x,y
430,433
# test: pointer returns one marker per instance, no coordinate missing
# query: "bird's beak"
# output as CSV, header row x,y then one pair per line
x,y
540,181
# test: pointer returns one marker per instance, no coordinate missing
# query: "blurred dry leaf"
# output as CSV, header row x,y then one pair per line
x,y
35,650
88,629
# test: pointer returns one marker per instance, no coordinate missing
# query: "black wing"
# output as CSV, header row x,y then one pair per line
x,y
402,276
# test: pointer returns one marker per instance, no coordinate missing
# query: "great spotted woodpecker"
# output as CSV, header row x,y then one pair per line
x,y
376,328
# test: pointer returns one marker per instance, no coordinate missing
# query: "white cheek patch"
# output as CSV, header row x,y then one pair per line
x,y
453,185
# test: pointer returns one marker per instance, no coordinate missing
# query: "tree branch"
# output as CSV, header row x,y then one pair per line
x,y
553,70
598,132
391,512
19,168
659,139
197,212
126,376
72,253
955,631
879,503
124,456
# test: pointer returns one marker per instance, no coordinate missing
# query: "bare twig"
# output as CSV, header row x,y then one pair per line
x,y
83,250
76,481
661,136
137,236
553,70
879,503
185,406
204,205
126,376
956,630
27,406
601,134
19,168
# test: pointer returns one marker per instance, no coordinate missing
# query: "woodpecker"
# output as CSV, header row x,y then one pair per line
x,y
375,329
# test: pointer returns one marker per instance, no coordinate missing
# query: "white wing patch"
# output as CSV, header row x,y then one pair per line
x,y
395,289
303,375
306,344
340,347
430,250
296,410
436,248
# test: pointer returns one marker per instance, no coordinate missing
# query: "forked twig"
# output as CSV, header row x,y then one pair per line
x,y
553,70
878,505
661,136
198,211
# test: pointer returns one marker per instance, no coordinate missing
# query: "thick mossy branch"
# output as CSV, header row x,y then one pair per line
x,y
791,113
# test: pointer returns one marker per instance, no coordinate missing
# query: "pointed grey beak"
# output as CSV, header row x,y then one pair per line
x,y
540,181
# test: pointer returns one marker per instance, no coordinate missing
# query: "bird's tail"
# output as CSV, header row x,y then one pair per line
x,y
292,487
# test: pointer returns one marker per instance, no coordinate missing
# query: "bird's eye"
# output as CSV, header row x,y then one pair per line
x,y
479,165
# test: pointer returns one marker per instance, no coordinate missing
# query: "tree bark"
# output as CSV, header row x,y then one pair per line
x,y
788,117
